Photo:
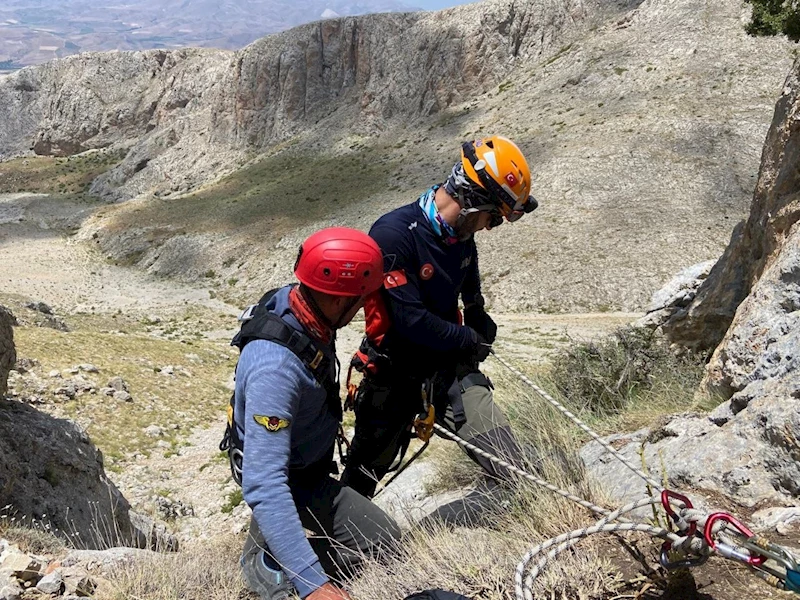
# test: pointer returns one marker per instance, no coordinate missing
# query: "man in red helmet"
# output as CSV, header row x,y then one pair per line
x,y
415,336
286,414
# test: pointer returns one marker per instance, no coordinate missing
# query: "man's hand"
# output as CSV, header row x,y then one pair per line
x,y
479,351
477,318
328,592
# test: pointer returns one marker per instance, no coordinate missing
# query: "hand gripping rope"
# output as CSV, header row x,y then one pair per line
x,y
699,536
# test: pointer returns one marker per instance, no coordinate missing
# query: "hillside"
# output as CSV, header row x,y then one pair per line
x,y
643,122
34,31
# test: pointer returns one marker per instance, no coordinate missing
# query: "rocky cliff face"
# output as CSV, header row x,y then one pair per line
x,y
8,354
754,248
193,114
755,289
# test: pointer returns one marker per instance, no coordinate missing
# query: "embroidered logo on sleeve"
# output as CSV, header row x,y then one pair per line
x,y
271,423
395,279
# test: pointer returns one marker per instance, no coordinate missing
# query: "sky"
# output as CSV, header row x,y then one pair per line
x,y
436,4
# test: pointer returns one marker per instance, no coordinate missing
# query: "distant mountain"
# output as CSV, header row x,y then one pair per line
x,y
34,31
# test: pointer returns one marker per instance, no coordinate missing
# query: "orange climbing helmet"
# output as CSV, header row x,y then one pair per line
x,y
497,165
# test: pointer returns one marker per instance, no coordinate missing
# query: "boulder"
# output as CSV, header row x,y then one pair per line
x,y
8,356
752,457
51,472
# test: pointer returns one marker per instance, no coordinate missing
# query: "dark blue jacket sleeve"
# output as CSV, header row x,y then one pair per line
x,y
472,281
410,318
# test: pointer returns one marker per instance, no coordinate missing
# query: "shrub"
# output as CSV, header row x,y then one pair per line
x,y
604,376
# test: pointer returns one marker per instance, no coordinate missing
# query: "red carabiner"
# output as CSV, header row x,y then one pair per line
x,y
665,496
756,560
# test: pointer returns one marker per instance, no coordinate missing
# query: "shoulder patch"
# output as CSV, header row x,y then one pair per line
x,y
271,423
395,279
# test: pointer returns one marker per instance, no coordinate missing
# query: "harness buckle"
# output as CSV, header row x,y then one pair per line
x,y
248,313
317,360
423,424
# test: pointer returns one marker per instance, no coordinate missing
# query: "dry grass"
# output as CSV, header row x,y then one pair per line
x,y
207,570
479,560
51,175
194,395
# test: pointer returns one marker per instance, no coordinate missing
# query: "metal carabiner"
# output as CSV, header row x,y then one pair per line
x,y
665,497
670,565
727,550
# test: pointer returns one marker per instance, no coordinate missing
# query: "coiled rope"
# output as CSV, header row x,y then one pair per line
x,y
684,543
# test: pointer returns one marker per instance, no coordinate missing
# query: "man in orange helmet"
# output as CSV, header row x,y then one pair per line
x,y
284,419
415,336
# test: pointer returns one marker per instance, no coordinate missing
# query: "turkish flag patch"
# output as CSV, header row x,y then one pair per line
x,y
395,279
512,181
426,272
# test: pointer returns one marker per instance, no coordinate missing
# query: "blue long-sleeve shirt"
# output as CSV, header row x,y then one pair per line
x,y
426,278
271,381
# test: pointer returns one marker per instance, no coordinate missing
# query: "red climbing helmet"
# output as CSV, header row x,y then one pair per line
x,y
340,261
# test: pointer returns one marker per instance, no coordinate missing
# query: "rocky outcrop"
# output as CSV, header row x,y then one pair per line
x,y
193,114
8,356
748,448
756,243
675,296
52,475
751,458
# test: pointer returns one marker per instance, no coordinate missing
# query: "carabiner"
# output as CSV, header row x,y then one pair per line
x,y
725,549
669,565
665,496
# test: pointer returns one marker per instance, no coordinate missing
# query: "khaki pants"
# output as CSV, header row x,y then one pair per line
x,y
385,412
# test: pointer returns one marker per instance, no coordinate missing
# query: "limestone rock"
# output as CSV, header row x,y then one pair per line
x,y
10,591
752,458
676,295
8,356
52,583
755,243
761,349
50,470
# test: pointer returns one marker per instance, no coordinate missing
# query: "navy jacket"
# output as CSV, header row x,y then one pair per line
x,y
425,277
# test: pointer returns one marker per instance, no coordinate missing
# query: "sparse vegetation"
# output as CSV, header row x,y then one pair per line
x,y
181,400
208,570
606,376
774,17
45,174
235,498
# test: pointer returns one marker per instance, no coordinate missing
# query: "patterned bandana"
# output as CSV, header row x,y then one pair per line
x,y
439,225
468,194
308,317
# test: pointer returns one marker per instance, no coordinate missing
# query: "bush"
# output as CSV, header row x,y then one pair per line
x,y
604,376
773,17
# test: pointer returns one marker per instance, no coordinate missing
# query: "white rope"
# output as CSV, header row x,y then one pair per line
x,y
570,415
541,482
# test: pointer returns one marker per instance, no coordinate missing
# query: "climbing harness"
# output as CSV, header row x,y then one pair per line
x,y
423,425
260,324
699,535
